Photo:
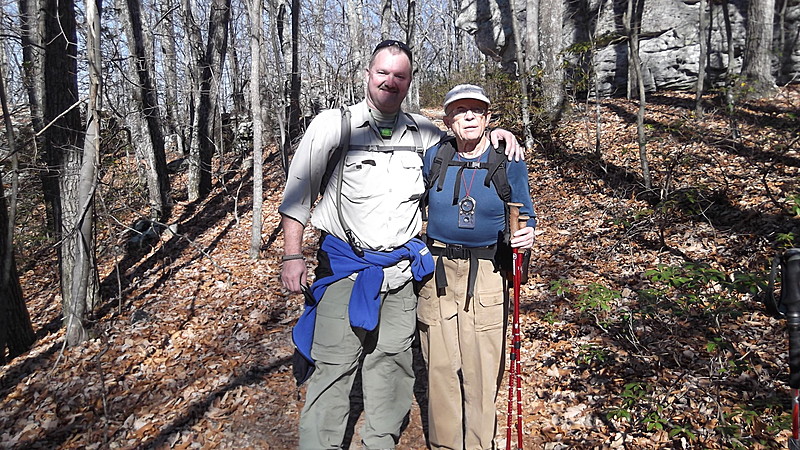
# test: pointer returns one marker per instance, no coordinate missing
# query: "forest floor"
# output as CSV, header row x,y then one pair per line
x,y
641,323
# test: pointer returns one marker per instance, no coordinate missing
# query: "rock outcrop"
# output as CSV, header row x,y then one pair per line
x,y
670,44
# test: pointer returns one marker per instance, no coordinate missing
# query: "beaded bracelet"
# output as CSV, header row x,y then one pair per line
x,y
285,258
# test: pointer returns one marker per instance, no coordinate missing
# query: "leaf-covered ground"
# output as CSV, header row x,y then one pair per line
x,y
641,323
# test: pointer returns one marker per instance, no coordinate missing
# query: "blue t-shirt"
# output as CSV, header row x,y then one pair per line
x,y
443,215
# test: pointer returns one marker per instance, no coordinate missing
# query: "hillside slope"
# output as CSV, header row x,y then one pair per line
x,y
640,324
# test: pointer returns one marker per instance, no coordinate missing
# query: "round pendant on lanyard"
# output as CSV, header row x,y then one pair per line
x,y
466,206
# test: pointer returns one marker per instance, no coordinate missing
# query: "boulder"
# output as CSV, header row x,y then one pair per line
x,y
669,48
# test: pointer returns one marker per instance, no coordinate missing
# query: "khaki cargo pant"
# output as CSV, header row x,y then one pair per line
x,y
462,342
387,374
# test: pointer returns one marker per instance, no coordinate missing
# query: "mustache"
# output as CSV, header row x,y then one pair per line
x,y
384,87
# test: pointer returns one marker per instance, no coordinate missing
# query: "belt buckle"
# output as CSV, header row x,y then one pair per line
x,y
455,251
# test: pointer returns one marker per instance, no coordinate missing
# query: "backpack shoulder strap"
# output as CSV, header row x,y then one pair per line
x,y
495,169
445,150
340,151
416,135
497,172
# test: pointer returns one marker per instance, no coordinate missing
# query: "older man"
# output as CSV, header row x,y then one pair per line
x,y
462,308
363,301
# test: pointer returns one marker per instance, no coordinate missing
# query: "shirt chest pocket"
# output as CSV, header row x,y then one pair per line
x,y
407,175
370,175
362,175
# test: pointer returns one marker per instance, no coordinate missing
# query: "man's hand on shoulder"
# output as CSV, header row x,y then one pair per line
x,y
513,149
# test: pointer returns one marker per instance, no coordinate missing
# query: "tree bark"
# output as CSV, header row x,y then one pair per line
x,y
701,63
32,27
168,48
210,67
458,47
532,51
255,107
729,82
279,108
786,44
355,19
386,19
151,149
63,136
634,27
522,73
84,270
234,74
295,125
551,14
757,59
16,331
194,62
412,100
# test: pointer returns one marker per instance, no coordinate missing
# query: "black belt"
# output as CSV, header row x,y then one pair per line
x,y
457,251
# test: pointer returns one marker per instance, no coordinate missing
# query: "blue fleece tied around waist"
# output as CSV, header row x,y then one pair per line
x,y
365,301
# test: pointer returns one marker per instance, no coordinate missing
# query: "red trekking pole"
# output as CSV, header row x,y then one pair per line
x,y
515,221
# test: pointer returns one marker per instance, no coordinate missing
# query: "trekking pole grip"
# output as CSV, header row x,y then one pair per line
x,y
513,217
516,221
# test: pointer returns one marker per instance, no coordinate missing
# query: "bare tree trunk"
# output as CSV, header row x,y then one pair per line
x,y
633,27
532,50
598,130
84,271
318,19
786,45
729,82
194,62
60,94
355,19
152,147
551,17
458,36
522,73
16,331
237,87
196,68
757,59
170,63
295,128
255,107
279,101
32,27
63,136
701,64
412,100
210,70
32,24
386,19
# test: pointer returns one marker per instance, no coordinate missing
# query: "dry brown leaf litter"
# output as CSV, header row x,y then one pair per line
x,y
198,353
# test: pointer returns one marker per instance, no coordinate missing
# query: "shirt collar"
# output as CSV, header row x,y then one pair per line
x,y
362,118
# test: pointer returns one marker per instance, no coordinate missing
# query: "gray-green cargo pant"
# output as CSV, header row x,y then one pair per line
x,y
387,374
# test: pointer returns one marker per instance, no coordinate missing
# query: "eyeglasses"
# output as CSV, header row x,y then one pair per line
x,y
461,111
393,43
